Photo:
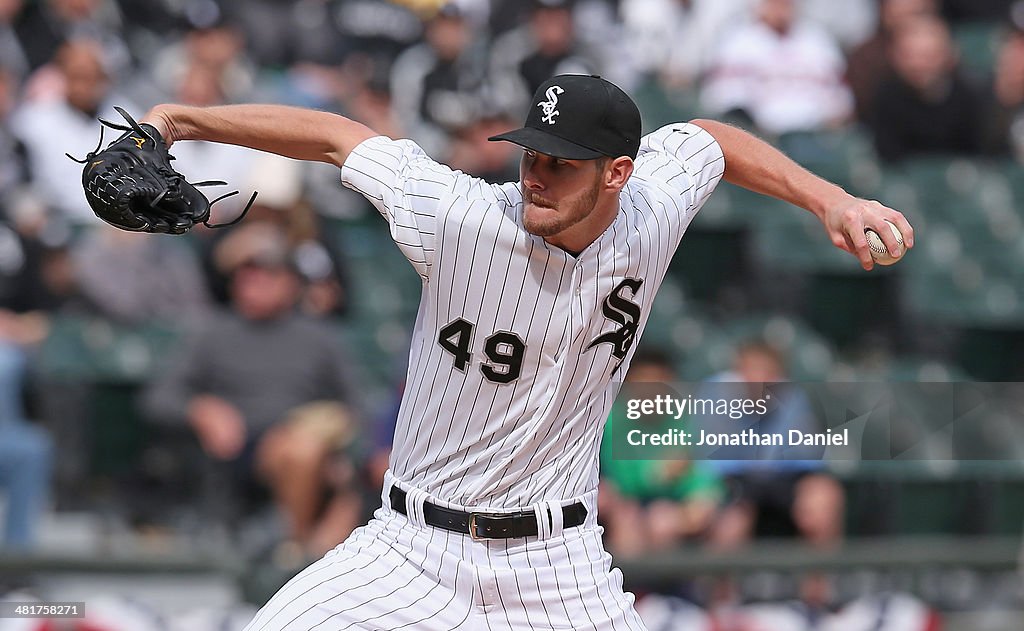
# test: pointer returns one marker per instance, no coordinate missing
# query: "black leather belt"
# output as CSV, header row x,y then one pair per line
x,y
487,525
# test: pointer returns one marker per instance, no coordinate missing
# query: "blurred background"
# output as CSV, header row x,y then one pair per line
x,y
186,422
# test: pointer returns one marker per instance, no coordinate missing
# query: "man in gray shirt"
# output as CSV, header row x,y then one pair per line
x,y
260,385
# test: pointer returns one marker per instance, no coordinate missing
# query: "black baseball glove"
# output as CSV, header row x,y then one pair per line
x,y
131,184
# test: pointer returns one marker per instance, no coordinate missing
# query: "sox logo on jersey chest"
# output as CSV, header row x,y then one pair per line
x,y
624,311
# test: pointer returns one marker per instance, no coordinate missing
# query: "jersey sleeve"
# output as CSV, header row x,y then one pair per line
x,y
406,186
686,158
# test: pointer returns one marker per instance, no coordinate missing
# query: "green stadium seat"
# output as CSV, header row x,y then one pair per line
x,y
669,306
729,208
927,507
792,239
845,156
710,261
959,191
660,106
95,350
992,352
978,43
1008,505
993,245
916,369
704,349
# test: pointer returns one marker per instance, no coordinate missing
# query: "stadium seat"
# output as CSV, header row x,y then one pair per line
x,y
959,191
918,370
704,349
730,207
95,350
710,261
978,44
792,239
845,156
660,106
992,353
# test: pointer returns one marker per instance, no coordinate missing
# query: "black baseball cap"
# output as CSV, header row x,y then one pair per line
x,y
579,117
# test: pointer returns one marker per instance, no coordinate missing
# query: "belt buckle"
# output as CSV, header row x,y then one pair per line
x,y
472,528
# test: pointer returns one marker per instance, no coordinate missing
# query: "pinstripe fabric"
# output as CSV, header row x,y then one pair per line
x,y
395,573
471,436
470,439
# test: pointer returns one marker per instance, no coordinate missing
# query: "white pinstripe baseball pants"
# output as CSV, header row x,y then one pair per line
x,y
397,573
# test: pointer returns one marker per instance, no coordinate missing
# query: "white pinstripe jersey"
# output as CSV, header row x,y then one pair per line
x,y
519,347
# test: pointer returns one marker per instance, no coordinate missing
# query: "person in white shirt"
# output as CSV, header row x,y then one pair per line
x,y
784,73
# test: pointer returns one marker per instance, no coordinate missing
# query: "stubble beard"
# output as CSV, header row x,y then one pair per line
x,y
546,218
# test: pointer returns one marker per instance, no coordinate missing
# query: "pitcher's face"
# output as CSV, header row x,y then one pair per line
x,y
557,193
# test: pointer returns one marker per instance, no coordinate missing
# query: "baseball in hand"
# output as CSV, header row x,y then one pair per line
x,y
879,252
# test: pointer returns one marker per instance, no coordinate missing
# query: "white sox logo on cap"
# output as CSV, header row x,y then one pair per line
x,y
549,106
602,120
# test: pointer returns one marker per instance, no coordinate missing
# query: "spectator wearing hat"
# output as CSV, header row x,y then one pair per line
x,y
248,369
283,206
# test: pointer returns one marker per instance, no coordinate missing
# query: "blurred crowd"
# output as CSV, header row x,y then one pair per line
x,y
260,397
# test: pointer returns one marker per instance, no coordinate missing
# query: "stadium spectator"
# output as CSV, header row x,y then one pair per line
x,y
362,91
85,94
868,64
139,279
204,84
780,72
11,50
245,371
1005,133
522,59
652,504
673,39
216,47
13,165
375,31
436,85
43,27
369,96
37,277
926,106
850,26
282,206
26,450
771,492
491,161
283,33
